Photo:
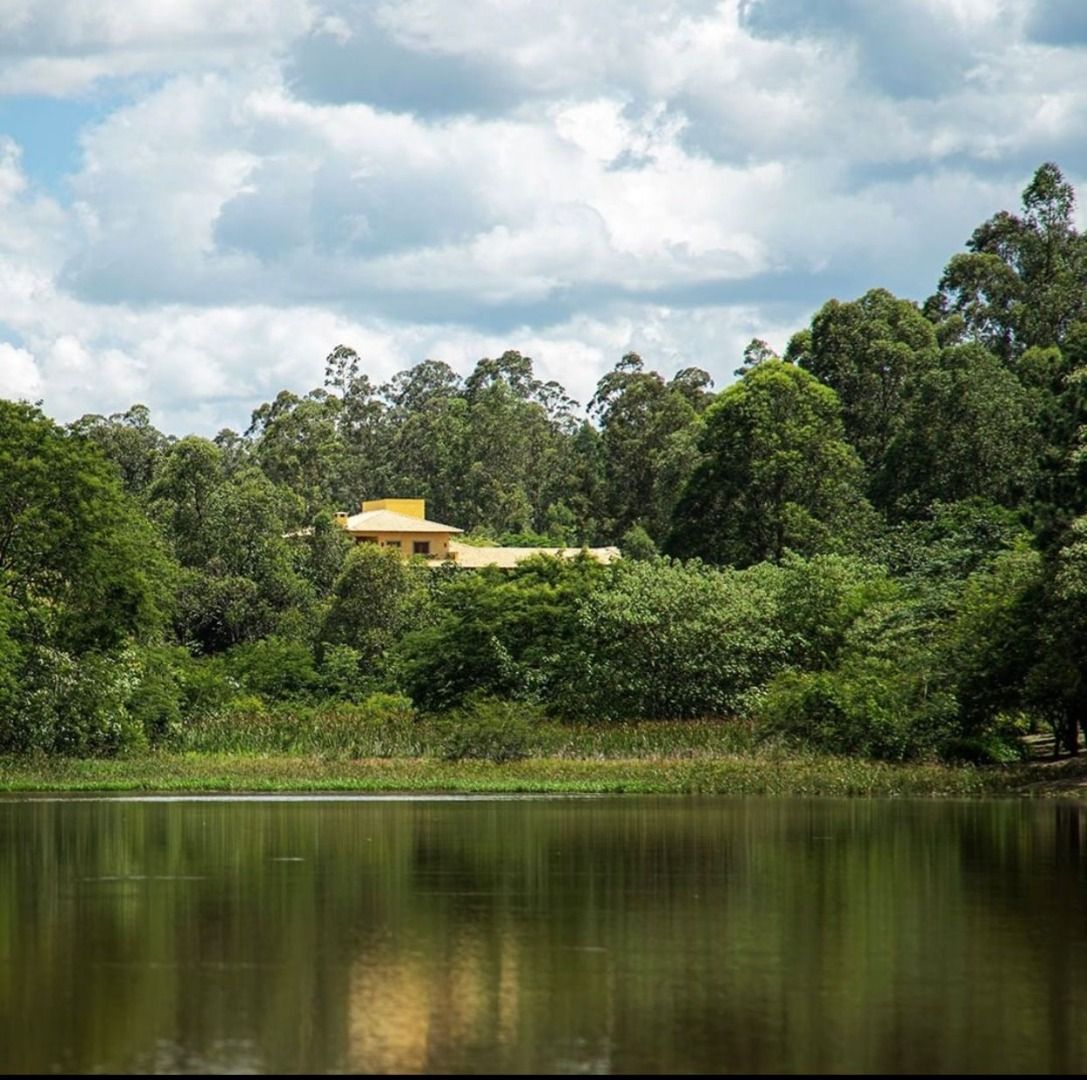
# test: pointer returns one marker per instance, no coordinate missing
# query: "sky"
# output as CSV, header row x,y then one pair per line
x,y
199,201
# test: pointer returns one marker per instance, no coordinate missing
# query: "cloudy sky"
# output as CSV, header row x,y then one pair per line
x,y
198,200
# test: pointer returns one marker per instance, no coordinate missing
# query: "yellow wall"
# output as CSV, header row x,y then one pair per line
x,y
412,507
439,542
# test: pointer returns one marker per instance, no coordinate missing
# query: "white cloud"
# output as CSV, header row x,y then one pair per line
x,y
63,47
19,374
658,177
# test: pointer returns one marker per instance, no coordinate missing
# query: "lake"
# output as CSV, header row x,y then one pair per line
x,y
542,934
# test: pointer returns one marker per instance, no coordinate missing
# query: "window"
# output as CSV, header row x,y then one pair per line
x,y
365,539
421,547
392,543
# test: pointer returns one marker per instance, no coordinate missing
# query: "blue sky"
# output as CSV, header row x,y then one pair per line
x,y
198,202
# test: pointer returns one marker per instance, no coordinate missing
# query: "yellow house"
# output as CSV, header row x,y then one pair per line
x,y
400,524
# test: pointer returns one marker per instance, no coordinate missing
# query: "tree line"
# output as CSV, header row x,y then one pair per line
x,y
874,543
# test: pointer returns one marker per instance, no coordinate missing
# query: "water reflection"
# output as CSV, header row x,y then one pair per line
x,y
626,935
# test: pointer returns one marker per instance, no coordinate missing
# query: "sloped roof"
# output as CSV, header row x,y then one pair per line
x,y
391,521
469,555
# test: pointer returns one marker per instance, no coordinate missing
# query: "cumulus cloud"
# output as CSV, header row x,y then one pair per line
x,y
20,378
421,179
63,47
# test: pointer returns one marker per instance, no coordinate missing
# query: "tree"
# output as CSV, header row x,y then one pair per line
x,y
83,578
869,351
77,559
646,447
970,431
181,493
298,444
376,599
129,441
518,441
776,473
1023,280
1056,686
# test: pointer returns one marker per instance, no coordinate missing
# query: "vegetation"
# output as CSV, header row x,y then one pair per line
x,y
872,547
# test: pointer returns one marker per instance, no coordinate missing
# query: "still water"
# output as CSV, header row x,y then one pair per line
x,y
559,935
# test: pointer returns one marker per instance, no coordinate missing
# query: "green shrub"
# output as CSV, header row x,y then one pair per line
x,y
870,707
157,699
994,748
666,641
489,729
74,706
275,668
340,672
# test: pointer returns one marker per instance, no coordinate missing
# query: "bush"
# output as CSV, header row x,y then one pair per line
x,y
157,699
340,672
869,707
489,729
991,749
274,668
666,641
497,633
74,706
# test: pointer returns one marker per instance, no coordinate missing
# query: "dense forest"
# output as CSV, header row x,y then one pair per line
x,y
873,544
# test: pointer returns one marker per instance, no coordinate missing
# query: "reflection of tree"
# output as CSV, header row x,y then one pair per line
x,y
694,935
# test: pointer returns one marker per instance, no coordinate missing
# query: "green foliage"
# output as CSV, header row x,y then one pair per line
x,y
377,598
992,640
380,725
992,748
776,473
819,601
1022,281
273,668
870,352
638,544
489,729
645,454
73,706
970,432
157,702
130,442
498,632
76,556
665,641
340,673
869,707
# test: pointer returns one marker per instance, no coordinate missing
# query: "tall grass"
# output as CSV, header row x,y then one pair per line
x,y
386,725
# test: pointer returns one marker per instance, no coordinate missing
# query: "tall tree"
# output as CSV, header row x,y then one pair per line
x,y
77,558
970,430
130,441
1023,279
646,435
869,351
776,473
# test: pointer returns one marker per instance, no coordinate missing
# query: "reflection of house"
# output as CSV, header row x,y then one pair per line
x,y
402,524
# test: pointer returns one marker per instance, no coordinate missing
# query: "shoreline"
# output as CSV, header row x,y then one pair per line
x,y
796,775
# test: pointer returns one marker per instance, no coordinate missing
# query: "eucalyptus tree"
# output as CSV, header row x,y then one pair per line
x,y
1023,280
776,473
647,433
970,430
870,352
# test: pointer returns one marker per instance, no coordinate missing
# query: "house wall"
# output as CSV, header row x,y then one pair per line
x,y
411,507
439,542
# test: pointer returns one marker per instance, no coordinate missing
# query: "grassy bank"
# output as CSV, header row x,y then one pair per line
x,y
739,774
